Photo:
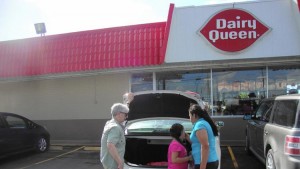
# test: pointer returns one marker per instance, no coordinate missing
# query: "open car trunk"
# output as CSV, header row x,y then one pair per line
x,y
147,152
151,114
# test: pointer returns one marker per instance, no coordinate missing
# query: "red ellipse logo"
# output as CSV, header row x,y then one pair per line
x,y
233,30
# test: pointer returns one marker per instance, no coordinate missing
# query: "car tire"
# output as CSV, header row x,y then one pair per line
x,y
270,162
247,146
42,144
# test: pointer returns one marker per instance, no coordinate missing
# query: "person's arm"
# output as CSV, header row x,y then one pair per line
x,y
187,138
115,155
203,139
176,159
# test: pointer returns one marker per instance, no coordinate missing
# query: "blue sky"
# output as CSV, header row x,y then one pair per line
x,y
17,17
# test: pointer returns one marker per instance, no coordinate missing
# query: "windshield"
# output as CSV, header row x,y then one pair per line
x,y
157,126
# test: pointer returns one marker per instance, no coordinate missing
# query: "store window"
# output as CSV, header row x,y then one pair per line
x,y
193,81
141,82
237,92
283,81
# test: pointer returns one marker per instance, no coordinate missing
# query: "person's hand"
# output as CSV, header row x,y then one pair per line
x,y
190,158
121,165
186,136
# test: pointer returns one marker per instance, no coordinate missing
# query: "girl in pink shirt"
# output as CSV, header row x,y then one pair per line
x,y
177,153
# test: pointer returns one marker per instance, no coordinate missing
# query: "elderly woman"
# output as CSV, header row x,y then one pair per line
x,y
113,139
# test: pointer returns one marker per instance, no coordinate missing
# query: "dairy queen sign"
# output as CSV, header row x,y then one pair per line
x,y
233,30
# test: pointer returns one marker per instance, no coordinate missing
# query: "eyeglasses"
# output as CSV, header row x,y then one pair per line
x,y
125,114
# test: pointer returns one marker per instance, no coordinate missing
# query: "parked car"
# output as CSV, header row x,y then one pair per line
x,y
151,114
273,132
19,134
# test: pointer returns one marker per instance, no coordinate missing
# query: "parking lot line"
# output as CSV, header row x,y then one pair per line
x,y
235,164
69,152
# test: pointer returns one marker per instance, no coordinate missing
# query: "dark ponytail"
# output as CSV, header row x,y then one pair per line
x,y
202,113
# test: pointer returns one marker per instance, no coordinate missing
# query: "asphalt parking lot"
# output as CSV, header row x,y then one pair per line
x,y
76,157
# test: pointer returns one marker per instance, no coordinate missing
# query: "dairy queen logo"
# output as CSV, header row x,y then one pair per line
x,y
233,30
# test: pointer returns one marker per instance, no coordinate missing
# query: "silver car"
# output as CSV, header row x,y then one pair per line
x,y
150,117
273,132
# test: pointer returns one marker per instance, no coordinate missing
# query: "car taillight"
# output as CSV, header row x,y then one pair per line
x,y
292,145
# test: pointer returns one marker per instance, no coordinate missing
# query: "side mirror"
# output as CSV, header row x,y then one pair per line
x,y
31,126
247,117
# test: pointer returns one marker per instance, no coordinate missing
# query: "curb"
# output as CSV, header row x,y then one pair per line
x,y
91,148
85,148
56,148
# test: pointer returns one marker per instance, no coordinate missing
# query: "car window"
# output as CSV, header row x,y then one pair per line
x,y
285,112
263,112
15,122
155,126
298,122
267,115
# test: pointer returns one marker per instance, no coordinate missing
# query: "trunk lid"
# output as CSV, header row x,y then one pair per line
x,y
162,103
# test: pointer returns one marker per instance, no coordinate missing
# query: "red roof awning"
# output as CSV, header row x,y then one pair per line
x,y
110,48
120,47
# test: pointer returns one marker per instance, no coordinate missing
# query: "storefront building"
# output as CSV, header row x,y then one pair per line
x,y
232,55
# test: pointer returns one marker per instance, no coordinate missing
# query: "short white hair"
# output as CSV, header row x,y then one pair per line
x,y
119,107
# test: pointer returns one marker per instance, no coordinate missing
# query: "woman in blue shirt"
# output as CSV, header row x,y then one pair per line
x,y
203,139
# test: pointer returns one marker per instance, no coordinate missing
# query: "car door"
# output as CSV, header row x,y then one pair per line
x,y
16,133
8,138
5,144
260,126
257,125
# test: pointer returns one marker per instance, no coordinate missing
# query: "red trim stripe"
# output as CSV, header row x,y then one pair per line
x,y
163,50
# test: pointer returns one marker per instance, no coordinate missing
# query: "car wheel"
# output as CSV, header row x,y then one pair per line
x,y
270,162
42,144
247,147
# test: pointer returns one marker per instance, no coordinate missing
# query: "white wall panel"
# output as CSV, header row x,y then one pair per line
x,y
186,45
59,99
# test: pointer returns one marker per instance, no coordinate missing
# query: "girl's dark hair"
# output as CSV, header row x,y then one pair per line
x,y
175,132
202,113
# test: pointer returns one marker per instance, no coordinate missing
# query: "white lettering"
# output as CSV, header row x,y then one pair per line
x,y
252,35
223,35
221,23
252,25
233,35
244,22
243,34
238,23
215,35
232,24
